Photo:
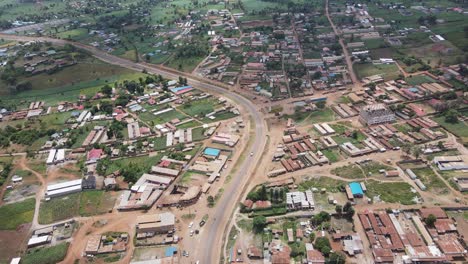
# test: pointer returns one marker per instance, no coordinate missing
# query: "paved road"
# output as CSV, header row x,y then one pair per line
x,y
220,216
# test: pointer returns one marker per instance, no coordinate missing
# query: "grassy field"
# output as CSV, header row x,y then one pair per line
x,y
350,172
95,202
331,185
200,107
53,210
387,71
395,192
320,116
431,180
373,167
144,162
168,116
332,155
13,215
459,129
47,255
418,79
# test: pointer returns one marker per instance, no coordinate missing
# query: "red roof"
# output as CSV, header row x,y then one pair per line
x,y
164,163
262,204
95,154
315,256
144,130
248,203
436,211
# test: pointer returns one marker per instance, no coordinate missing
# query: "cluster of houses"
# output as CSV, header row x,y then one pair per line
x,y
407,237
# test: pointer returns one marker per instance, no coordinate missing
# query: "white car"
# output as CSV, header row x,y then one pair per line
x,y
190,225
191,232
251,154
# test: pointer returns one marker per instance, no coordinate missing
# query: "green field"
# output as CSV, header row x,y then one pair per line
x,y
47,255
143,162
200,107
319,116
433,183
387,71
459,129
54,210
372,168
395,192
350,172
331,185
332,155
96,202
13,215
418,79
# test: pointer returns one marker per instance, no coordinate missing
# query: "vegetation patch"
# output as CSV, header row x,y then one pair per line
x,y
350,172
394,192
59,208
46,255
13,215
431,180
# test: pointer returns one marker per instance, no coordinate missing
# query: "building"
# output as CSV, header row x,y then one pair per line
x,y
39,240
314,256
64,188
211,153
446,163
356,189
94,155
376,114
155,223
462,183
300,200
353,246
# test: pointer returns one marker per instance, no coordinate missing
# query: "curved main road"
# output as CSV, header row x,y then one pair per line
x,y
210,250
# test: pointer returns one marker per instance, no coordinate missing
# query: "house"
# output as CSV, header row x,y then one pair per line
x,y
300,200
89,182
94,155
356,189
109,183
155,223
314,256
254,253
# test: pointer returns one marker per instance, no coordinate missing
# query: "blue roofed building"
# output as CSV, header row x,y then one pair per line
x,y
170,251
212,152
356,189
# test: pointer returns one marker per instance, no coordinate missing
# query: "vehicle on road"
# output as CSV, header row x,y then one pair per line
x,y
202,223
190,225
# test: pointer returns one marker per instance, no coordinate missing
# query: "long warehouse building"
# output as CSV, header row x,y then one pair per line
x,y
64,188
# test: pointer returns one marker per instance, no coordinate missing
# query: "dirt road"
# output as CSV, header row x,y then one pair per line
x,y
349,63
23,165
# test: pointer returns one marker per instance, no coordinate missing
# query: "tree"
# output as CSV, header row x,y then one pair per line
x,y
210,200
406,148
339,209
259,222
321,217
312,237
262,193
451,116
107,90
416,152
430,220
337,258
320,104
322,244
